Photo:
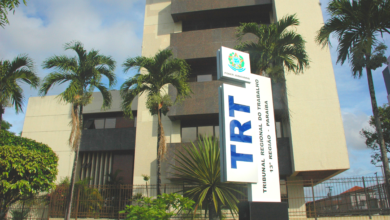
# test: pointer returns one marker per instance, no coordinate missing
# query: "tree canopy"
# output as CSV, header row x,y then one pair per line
x,y
5,125
277,47
26,168
5,6
12,73
371,135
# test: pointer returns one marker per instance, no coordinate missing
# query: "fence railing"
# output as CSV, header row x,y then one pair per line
x,y
364,196
306,199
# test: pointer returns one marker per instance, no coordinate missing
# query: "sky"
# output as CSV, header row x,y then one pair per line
x,y
114,27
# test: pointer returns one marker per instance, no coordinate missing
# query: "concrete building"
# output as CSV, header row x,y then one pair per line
x,y
311,142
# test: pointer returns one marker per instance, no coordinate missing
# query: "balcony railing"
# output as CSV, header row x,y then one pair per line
x,y
204,100
182,9
204,43
108,139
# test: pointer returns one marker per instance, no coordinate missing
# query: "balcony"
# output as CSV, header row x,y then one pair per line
x,y
108,139
284,158
189,9
204,43
204,100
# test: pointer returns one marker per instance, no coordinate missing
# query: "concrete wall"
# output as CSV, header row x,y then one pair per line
x,y
158,25
47,121
317,134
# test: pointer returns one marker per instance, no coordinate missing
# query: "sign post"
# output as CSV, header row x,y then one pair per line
x,y
247,135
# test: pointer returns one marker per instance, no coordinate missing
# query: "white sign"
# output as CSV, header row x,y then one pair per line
x,y
247,135
233,65
240,146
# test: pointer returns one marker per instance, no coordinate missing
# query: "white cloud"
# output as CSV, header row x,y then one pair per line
x,y
353,124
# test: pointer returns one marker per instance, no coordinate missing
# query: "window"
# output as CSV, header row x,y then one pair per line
x,y
188,134
99,123
216,131
204,78
110,123
278,128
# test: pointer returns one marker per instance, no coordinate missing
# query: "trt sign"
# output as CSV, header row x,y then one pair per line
x,y
247,128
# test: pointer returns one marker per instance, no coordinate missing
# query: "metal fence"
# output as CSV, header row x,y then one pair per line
x,y
361,196
365,196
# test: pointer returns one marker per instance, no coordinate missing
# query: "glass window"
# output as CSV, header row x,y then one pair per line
x,y
88,124
188,134
205,131
216,132
278,128
99,123
204,78
110,123
135,121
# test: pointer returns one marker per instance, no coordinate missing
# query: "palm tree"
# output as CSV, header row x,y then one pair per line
x,y
161,70
357,25
20,69
199,167
84,74
277,45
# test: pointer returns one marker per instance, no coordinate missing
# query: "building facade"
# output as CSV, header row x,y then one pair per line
x,y
311,142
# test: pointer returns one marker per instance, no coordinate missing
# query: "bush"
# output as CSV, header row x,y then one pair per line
x,y
163,207
26,168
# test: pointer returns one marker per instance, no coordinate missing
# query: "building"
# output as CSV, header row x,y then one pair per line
x,y
311,142
386,78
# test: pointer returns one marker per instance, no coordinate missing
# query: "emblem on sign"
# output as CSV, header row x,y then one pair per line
x,y
236,62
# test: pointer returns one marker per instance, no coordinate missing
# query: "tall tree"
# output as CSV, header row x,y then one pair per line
x,y
5,6
371,135
19,70
357,24
199,167
5,125
84,73
161,70
278,46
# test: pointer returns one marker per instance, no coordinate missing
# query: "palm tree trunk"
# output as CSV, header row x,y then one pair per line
x,y
213,215
378,126
158,153
73,178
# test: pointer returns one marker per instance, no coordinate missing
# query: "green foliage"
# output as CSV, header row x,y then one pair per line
x,y
146,177
5,6
371,135
19,70
5,125
199,167
161,70
83,72
277,46
165,206
7,138
26,168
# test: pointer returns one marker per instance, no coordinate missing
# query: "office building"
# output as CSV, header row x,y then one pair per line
x,y
311,142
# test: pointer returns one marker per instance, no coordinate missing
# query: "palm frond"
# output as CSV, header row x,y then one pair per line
x,y
199,166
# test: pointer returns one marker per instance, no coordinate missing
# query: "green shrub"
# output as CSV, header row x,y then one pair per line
x,y
26,168
162,207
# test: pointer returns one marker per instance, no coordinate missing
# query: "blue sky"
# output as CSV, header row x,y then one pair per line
x,y
115,28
